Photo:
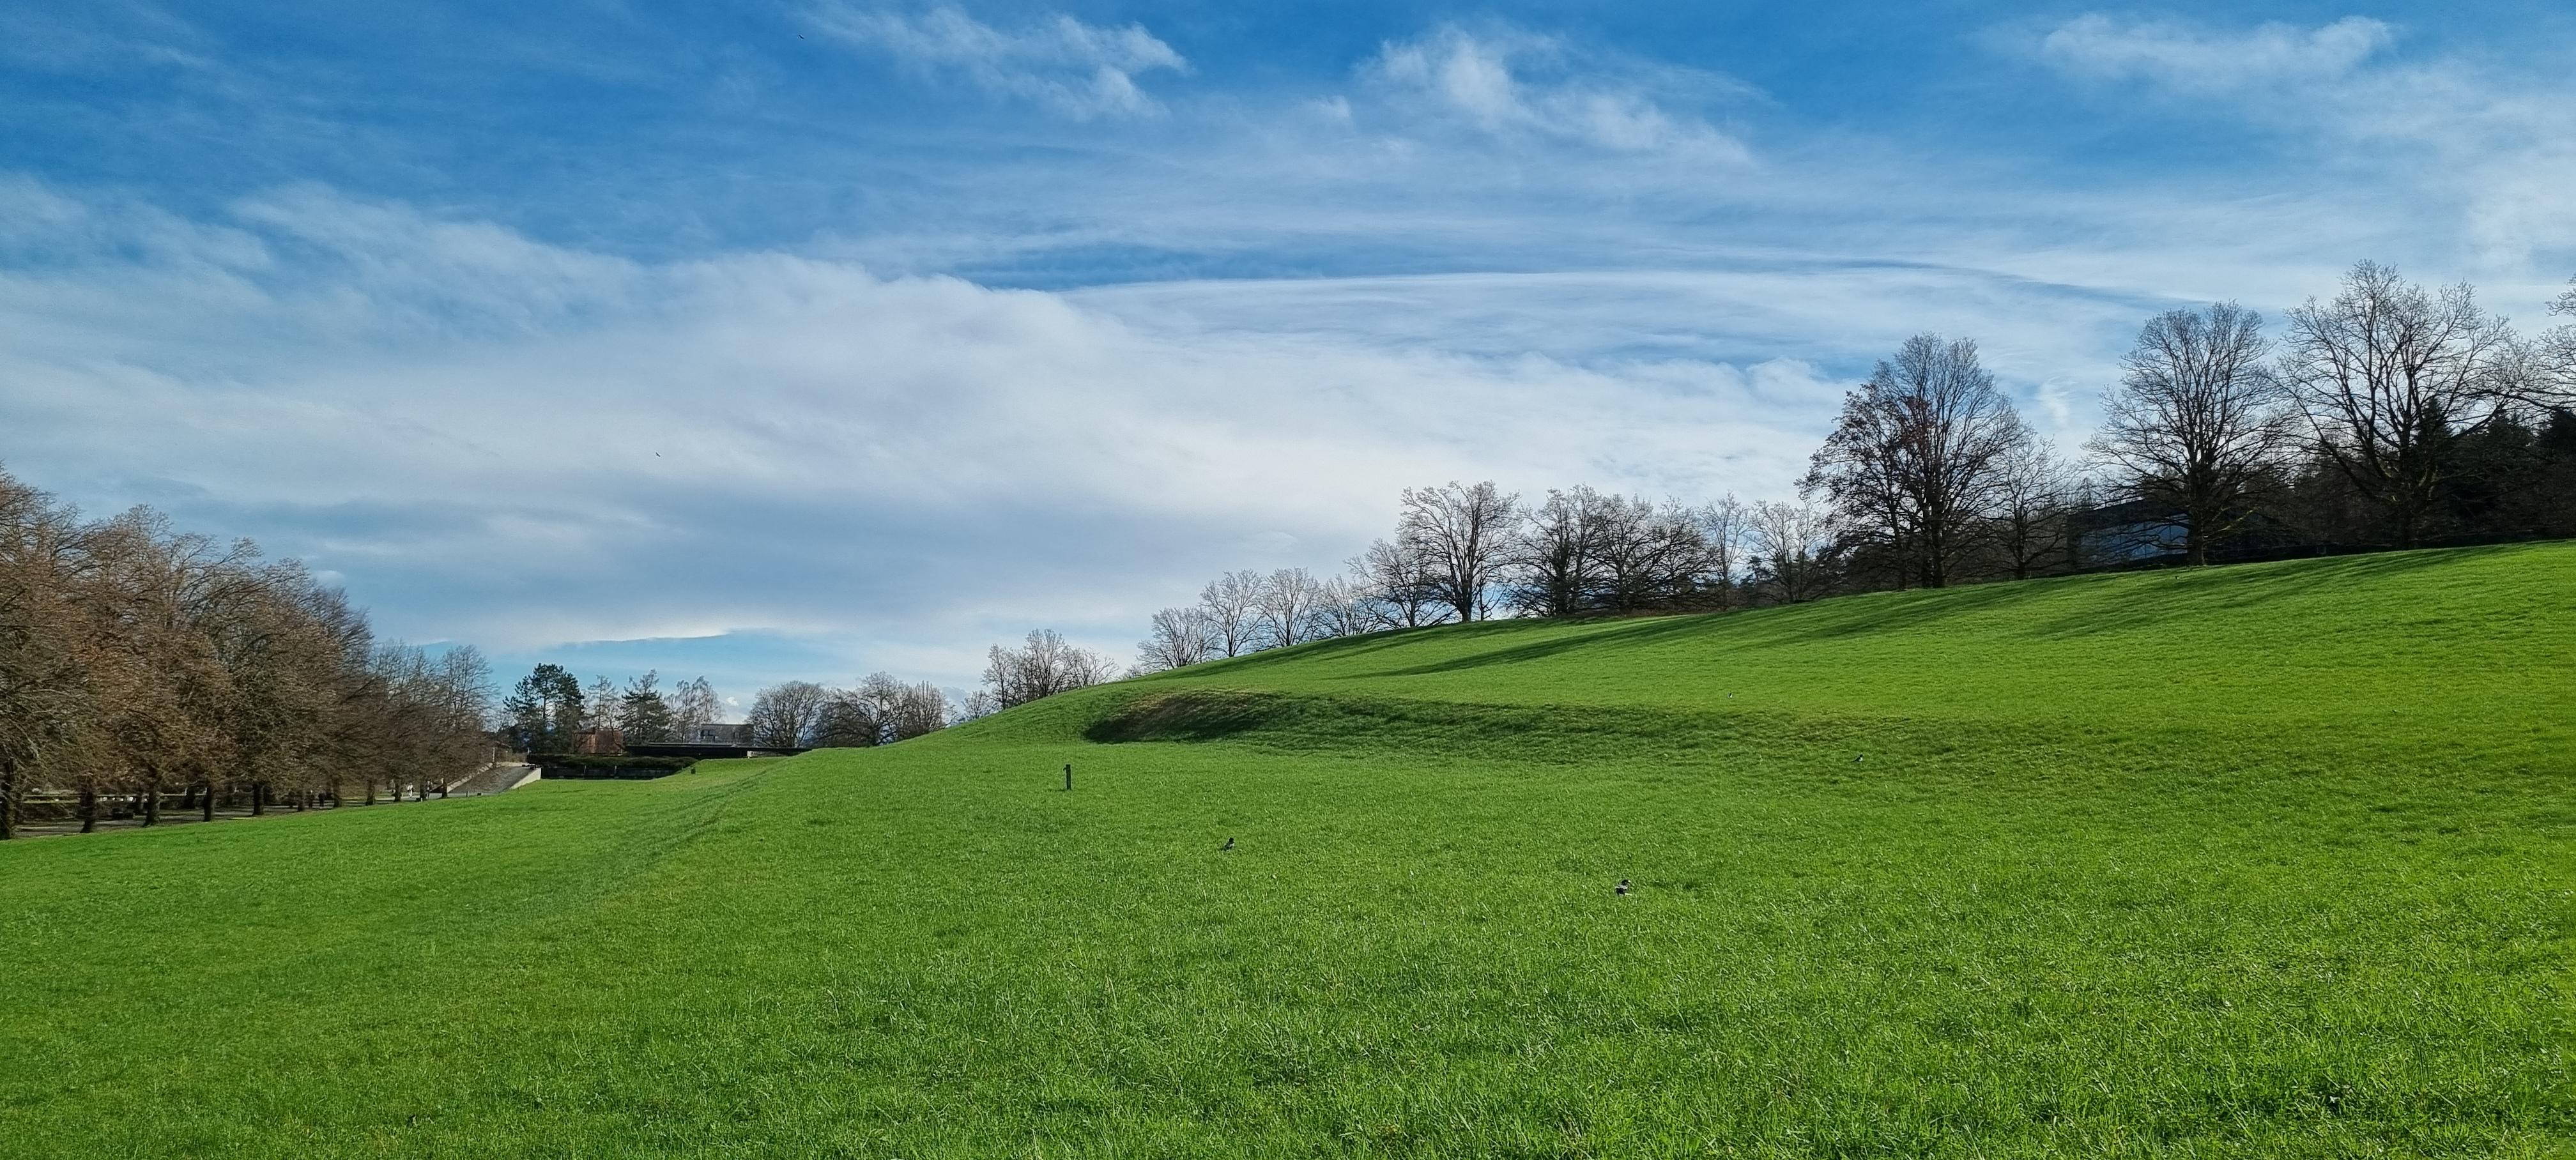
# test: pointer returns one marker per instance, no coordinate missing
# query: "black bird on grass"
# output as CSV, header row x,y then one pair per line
x,y
1229,844
1621,889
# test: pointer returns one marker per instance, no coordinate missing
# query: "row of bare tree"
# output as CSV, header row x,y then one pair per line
x,y
1463,551
2384,415
880,710
2376,408
139,663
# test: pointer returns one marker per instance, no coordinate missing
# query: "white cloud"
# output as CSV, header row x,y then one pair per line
x,y
502,441
1078,69
1512,84
2456,145
2200,60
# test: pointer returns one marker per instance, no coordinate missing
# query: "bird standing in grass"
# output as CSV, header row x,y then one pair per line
x,y
1621,889
1229,844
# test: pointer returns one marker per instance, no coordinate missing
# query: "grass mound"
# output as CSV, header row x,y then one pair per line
x,y
2273,860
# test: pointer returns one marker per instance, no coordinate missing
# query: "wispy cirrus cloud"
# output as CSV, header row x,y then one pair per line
x,y
2459,140
1079,70
2197,59
1510,83
478,429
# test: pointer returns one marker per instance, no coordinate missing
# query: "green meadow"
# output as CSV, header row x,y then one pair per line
x,y
2274,860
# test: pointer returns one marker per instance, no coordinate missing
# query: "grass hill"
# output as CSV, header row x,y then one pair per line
x,y
2260,861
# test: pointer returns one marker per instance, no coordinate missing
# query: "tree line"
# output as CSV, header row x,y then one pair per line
x,y
880,710
139,663
2390,415
549,710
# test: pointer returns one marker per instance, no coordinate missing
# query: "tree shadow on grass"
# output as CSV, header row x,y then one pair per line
x,y
1622,636
2118,604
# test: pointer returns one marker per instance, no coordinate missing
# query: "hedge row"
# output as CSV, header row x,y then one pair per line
x,y
597,767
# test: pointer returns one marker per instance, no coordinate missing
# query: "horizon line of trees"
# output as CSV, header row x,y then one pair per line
x,y
549,710
139,662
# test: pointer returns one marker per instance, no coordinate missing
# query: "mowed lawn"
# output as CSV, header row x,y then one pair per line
x,y
2276,860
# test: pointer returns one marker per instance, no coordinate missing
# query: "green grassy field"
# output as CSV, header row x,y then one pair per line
x,y
2276,860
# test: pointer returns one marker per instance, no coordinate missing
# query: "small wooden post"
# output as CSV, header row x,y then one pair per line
x,y
1068,777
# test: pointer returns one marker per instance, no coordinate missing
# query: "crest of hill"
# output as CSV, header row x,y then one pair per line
x,y
2457,653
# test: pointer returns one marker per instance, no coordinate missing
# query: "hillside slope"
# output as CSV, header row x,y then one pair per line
x,y
2274,860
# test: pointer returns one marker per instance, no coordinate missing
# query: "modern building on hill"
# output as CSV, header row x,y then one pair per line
x,y
2143,533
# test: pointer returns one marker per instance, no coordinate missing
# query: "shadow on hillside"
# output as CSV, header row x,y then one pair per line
x,y
2177,597
2189,595
1197,715
1628,635
1542,733
1340,646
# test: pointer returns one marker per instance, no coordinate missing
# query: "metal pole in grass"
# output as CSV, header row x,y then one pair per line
x,y
1068,777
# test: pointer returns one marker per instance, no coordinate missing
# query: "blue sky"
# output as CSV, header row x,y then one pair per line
x,y
809,339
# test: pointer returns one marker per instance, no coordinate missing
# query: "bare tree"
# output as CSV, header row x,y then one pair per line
x,y
1459,533
2389,375
1649,555
48,647
1397,585
1046,665
976,706
1342,608
1723,527
2557,354
2034,499
168,713
1915,458
1232,603
137,662
784,715
1285,611
922,708
1178,637
599,706
848,720
904,711
1551,565
2199,425
1792,551
694,703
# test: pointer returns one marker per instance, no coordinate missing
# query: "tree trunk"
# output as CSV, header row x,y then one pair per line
x,y
152,802
8,799
89,811
371,790
258,798
208,806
